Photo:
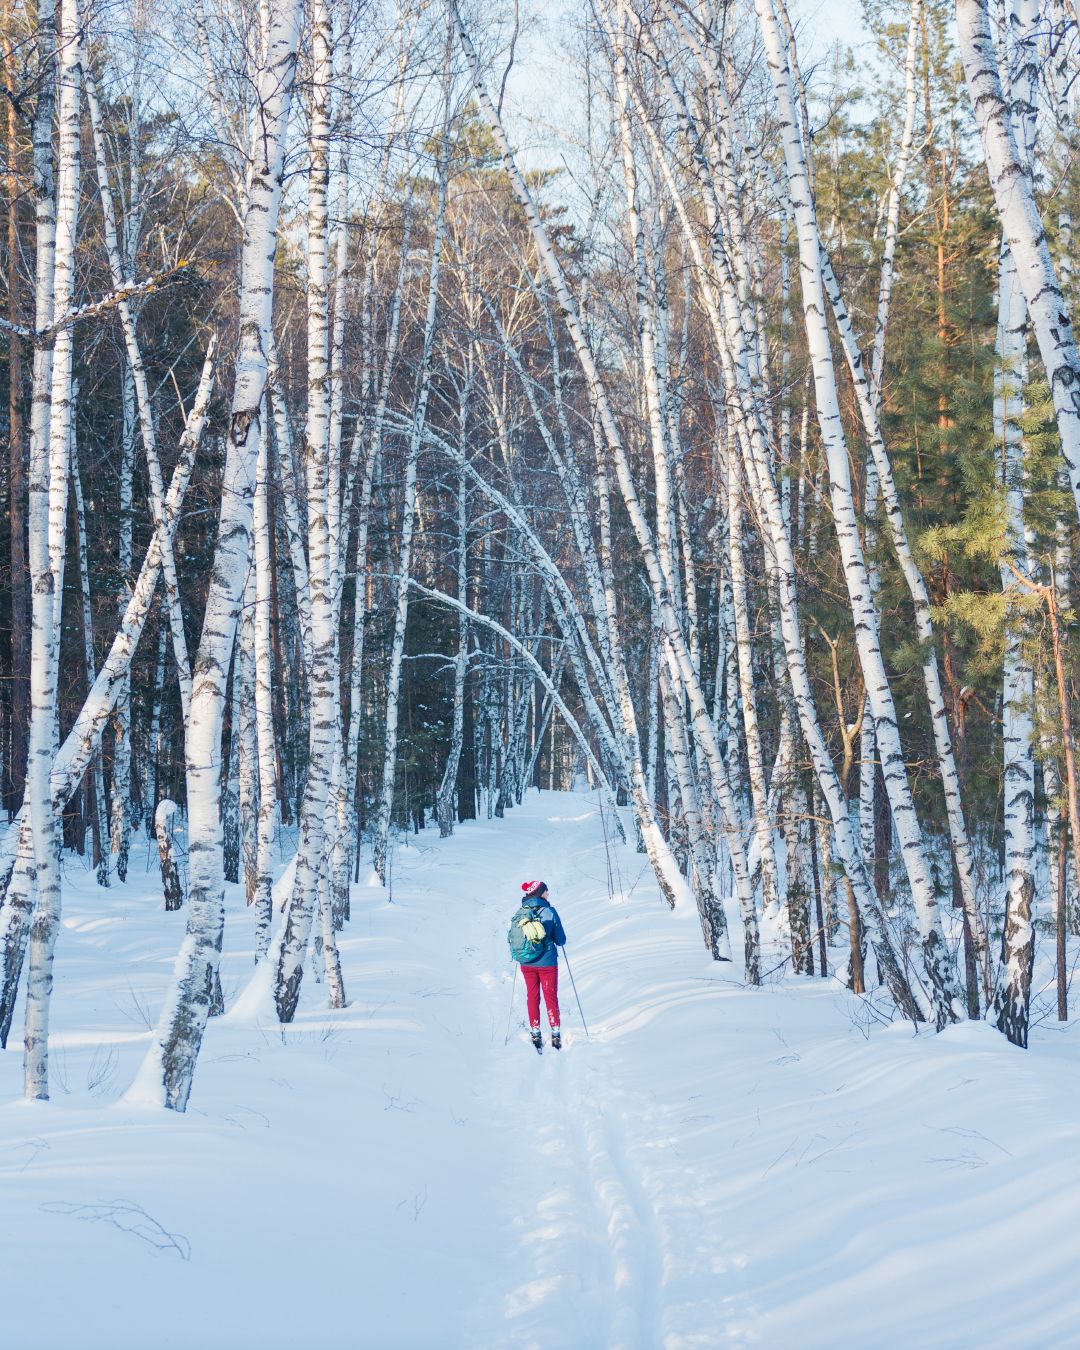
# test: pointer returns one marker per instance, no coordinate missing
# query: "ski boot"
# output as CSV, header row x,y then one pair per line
x,y
556,1038
537,1040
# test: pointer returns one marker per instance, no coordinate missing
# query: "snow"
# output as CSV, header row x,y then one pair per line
x,y
716,1166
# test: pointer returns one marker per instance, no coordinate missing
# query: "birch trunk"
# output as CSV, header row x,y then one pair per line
x,y
48,519
164,821
447,794
734,348
154,767
247,778
323,490
340,854
294,525
868,766
84,738
367,446
230,783
347,843
97,785
797,827
1013,993
719,295
883,477
763,824
936,956
264,700
135,382
385,806
677,647
170,1063
1048,307
121,776
15,785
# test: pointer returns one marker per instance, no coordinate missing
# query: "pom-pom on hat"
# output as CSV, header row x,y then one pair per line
x,y
533,887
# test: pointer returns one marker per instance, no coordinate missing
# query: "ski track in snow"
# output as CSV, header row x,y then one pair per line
x,y
716,1166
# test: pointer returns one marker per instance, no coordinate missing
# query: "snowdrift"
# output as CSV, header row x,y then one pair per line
x,y
716,1166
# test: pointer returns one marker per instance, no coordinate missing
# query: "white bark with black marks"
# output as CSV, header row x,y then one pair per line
x,y
170,1063
936,956
84,738
323,488
47,539
385,802
164,825
1012,995
1048,306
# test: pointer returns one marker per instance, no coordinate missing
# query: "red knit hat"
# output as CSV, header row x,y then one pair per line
x,y
531,887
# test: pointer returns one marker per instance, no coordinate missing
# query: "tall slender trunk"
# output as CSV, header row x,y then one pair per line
x,y
247,760
170,1062
676,649
447,793
763,824
121,256
868,759
340,854
936,956
323,489
264,699
17,485
798,846
136,393
97,787
154,793
347,843
719,294
385,806
1048,306
84,738
49,482
120,842
1013,993
294,525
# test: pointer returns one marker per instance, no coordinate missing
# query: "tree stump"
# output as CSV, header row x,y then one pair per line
x,y
170,873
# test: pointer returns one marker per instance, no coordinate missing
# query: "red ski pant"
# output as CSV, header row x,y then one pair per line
x,y
546,978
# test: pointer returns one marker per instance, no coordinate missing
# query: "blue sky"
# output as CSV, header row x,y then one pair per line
x,y
543,102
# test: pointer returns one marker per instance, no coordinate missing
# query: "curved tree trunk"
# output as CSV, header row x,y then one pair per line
x,y
1048,306
936,955
170,1062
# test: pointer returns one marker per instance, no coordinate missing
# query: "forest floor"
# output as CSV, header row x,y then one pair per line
x,y
716,1166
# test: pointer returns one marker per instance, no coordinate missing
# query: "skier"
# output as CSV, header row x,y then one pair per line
x,y
536,933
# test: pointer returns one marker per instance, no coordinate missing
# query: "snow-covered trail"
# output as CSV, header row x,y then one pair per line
x,y
715,1166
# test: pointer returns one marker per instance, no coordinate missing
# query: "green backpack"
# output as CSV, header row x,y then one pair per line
x,y
527,934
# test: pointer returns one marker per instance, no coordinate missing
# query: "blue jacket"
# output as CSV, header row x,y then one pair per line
x,y
549,917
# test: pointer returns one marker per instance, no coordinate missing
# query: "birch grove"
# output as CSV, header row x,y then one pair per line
x,y
729,472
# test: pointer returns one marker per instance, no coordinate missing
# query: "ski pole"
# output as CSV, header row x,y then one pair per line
x,y
510,1015
573,985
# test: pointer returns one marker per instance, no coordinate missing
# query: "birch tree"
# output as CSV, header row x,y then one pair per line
x,y
170,1061
47,525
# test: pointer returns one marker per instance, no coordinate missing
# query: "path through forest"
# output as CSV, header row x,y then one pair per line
x,y
716,1166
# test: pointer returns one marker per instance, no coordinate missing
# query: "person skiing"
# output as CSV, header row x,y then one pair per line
x,y
536,934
